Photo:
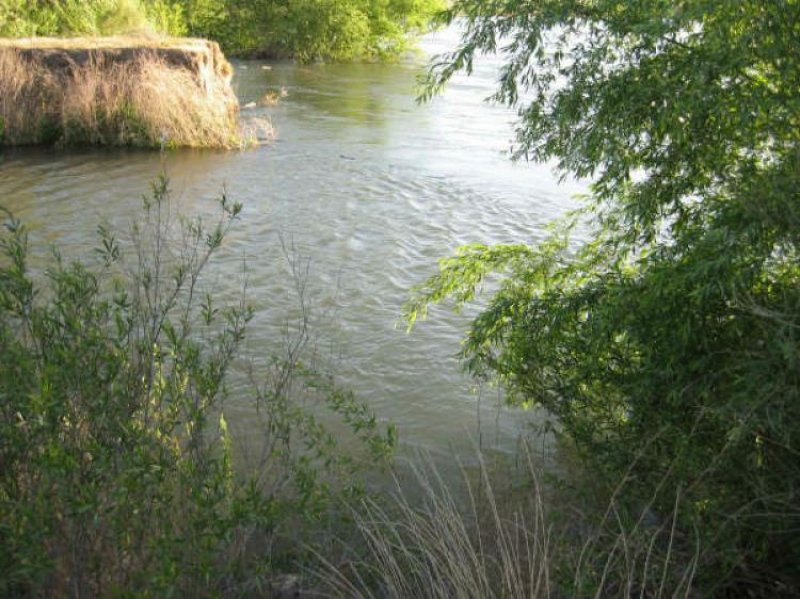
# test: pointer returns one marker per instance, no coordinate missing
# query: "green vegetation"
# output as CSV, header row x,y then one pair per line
x,y
23,18
310,29
119,475
304,29
668,344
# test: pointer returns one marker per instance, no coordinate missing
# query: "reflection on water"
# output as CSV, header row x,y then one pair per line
x,y
362,181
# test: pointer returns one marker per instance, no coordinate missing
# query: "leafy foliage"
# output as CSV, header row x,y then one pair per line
x,y
79,17
670,340
312,29
118,474
303,29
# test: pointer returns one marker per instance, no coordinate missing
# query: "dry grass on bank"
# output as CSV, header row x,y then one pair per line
x,y
141,102
138,40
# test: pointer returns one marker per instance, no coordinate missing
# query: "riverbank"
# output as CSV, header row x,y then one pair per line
x,y
117,91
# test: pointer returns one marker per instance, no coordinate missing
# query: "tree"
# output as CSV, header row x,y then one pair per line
x,y
302,29
667,344
312,29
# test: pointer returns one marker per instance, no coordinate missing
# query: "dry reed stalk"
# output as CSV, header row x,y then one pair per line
x,y
508,545
434,548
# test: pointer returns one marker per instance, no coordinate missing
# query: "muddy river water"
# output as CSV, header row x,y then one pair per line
x,y
367,189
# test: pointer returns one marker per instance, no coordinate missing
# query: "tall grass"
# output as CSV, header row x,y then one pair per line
x,y
509,541
143,101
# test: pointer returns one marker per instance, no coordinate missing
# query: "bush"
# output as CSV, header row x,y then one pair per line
x,y
669,341
118,475
303,29
21,18
312,29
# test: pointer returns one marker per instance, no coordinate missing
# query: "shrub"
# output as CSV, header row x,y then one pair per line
x,y
675,326
312,29
118,473
24,18
303,29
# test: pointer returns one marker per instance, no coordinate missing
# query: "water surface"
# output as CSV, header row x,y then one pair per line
x,y
365,187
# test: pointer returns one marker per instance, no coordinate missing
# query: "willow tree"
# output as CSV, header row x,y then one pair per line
x,y
667,344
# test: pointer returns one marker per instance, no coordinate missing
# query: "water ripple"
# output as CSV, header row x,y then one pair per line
x,y
366,186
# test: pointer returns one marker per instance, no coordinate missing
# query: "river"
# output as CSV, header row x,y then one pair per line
x,y
369,189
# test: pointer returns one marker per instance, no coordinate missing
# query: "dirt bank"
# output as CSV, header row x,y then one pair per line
x,y
116,91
